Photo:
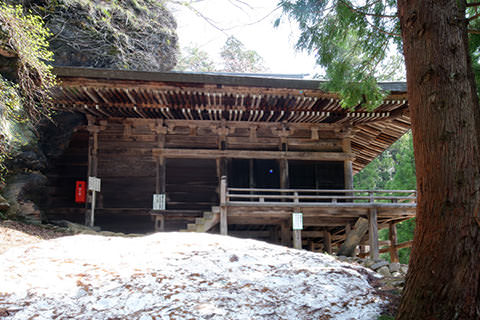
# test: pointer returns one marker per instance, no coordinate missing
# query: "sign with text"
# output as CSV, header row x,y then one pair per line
x,y
159,201
94,184
297,221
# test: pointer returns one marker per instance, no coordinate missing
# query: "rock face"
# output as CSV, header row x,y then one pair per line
x,y
24,192
26,183
131,34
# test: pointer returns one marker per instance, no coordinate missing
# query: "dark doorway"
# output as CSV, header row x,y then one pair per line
x,y
266,173
316,175
253,173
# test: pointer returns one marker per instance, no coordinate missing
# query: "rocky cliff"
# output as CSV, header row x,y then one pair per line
x,y
117,34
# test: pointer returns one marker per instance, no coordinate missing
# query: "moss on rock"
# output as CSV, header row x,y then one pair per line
x,y
117,34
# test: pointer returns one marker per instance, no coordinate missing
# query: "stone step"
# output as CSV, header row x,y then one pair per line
x,y
191,227
200,220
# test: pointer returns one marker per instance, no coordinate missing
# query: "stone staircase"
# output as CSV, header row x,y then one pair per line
x,y
209,220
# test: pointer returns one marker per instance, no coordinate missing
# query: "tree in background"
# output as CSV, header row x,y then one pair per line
x,y
351,39
234,58
394,169
237,59
195,59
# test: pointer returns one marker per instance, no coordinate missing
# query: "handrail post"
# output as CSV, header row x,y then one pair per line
x,y
223,206
295,199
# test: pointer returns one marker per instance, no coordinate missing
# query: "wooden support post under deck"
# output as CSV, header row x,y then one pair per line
x,y
392,228
327,241
297,239
373,233
223,207
285,233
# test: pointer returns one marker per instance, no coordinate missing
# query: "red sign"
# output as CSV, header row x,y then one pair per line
x,y
80,191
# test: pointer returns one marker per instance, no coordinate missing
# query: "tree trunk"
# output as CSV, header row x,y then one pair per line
x,y
444,275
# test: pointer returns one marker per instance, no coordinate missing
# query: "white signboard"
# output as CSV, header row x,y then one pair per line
x,y
297,221
94,184
159,201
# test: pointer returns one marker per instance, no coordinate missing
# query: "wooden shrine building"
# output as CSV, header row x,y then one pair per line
x,y
282,146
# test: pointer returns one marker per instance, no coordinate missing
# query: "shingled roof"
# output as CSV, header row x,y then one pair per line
x,y
212,96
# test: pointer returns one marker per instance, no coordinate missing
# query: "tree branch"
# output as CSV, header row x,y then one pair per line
x,y
356,10
473,4
473,17
383,31
473,31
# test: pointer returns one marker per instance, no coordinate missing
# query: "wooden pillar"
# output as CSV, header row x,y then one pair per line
x,y
373,233
284,179
327,241
223,206
274,234
161,175
347,164
297,239
93,130
392,228
251,173
285,233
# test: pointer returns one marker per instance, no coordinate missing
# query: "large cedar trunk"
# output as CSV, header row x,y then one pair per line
x,y
443,280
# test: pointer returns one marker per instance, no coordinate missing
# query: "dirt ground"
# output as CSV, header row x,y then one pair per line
x,y
14,233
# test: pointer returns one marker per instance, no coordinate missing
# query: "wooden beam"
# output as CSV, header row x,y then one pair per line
x,y
251,154
392,228
223,207
327,241
373,233
354,238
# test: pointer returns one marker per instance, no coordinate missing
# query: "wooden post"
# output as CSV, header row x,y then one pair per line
x,y
392,228
297,239
347,164
92,166
223,206
348,228
327,241
274,234
373,233
354,238
284,180
285,233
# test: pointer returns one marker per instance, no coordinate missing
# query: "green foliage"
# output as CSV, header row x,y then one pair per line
x,y
394,169
195,59
27,79
237,59
350,40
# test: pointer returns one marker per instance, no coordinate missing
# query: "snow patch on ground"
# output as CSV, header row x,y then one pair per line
x,y
179,276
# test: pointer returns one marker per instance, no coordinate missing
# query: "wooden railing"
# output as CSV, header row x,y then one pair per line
x,y
319,197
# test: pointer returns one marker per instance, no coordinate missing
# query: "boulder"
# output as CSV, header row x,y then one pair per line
x,y
394,267
379,265
4,205
24,191
384,271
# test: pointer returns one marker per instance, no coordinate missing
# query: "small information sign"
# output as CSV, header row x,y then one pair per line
x,y
297,221
94,184
159,201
